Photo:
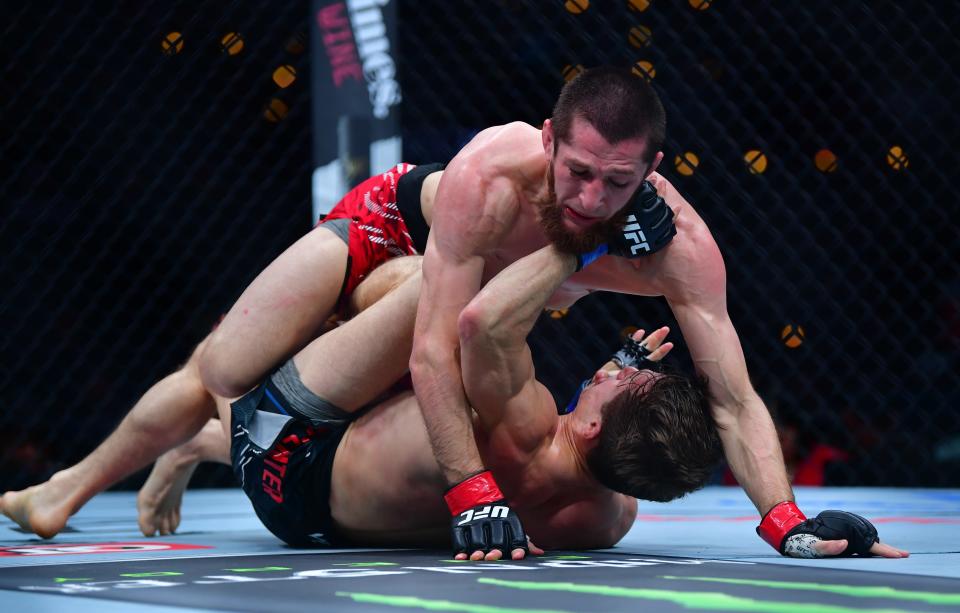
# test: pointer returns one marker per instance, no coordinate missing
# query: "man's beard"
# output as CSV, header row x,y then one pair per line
x,y
570,241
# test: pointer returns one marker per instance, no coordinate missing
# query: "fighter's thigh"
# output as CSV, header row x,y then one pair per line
x,y
385,278
277,314
223,411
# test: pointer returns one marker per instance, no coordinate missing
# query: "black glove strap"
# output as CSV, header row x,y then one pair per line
x,y
634,354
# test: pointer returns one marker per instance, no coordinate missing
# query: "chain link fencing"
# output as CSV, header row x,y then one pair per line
x,y
156,156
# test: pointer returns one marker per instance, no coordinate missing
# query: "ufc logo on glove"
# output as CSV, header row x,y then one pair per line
x,y
633,233
483,513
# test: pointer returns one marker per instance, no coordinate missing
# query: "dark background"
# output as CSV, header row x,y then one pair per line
x,y
143,190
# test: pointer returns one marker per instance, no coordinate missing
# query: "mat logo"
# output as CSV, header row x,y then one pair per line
x,y
635,237
75,549
167,577
493,512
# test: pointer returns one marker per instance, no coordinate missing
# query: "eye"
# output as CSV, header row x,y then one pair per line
x,y
579,172
618,184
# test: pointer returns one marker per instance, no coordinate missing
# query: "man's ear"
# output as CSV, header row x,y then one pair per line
x,y
656,164
546,134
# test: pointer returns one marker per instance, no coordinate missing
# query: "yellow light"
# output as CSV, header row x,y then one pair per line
x,y
638,5
897,159
640,36
756,161
172,43
276,110
687,163
645,69
570,71
284,76
792,337
231,43
825,161
576,6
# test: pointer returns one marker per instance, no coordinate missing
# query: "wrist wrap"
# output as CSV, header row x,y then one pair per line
x,y
478,489
585,259
778,521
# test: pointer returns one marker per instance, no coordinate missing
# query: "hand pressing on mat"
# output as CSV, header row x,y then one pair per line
x,y
829,534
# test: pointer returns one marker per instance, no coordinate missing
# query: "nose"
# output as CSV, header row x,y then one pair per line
x,y
600,376
592,197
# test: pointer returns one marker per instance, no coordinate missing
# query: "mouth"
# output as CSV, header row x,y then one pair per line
x,y
579,219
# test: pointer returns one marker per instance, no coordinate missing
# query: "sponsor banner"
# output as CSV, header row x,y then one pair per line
x,y
81,548
355,93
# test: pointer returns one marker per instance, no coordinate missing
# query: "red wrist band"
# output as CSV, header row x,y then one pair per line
x,y
778,521
470,492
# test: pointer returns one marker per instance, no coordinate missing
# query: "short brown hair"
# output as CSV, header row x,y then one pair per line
x,y
657,441
617,103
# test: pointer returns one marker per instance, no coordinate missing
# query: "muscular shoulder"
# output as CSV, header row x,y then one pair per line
x,y
693,267
481,188
502,152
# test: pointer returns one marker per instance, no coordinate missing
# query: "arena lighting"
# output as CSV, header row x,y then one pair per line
x,y
172,43
686,163
231,43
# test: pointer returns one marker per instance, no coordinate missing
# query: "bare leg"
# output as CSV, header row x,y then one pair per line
x,y
158,502
160,497
278,314
354,363
171,412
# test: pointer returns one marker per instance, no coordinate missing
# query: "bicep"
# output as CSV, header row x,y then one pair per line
x,y
461,235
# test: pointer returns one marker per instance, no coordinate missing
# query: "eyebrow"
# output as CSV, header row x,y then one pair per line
x,y
615,171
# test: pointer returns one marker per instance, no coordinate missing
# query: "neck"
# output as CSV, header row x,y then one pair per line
x,y
574,450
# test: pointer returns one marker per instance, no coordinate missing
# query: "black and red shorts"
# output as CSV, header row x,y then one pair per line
x,y
284,466
386,221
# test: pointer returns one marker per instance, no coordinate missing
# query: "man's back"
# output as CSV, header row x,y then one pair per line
x,y
387,487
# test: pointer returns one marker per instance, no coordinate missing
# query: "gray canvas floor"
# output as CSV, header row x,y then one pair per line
x,y
697,553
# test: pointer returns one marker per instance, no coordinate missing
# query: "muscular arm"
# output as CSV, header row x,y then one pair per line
x,y
498,372
471,216
747,432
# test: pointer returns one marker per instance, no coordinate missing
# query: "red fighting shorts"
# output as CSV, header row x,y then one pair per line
x,y
377,231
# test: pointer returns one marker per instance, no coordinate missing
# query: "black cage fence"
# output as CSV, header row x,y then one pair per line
x,y
156,156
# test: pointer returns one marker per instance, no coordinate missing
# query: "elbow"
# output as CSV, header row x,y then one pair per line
x,y
475,321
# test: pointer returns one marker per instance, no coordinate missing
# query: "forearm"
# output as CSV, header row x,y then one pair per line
x,y
446,414
508,306
752,450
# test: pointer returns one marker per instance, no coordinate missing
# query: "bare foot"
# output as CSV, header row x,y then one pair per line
x,y
158,502
42,509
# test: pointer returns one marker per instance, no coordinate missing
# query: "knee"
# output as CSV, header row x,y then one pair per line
x,y
213,369
384,279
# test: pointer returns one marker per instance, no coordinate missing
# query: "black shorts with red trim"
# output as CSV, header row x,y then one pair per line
x,y
284,466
